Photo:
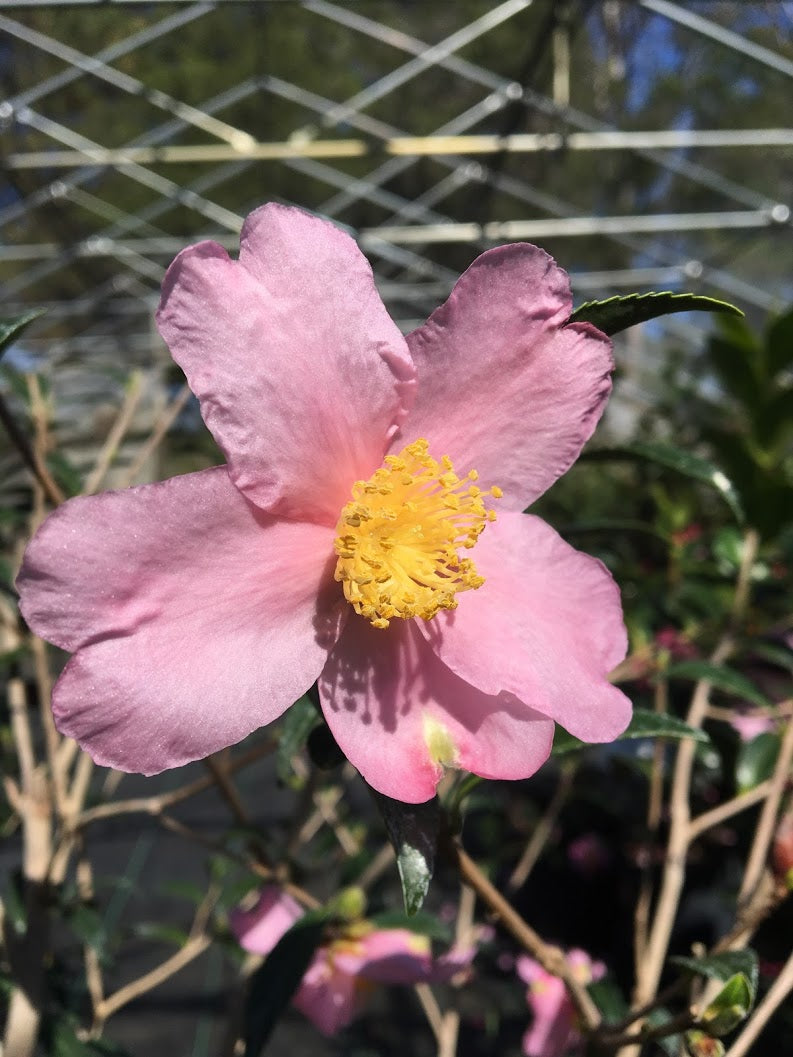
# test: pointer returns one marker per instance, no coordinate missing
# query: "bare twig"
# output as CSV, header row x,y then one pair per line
x,y
728,809
35,464
764,833
776,995
191,950
161,427
152,805
543,829
114,438
551,958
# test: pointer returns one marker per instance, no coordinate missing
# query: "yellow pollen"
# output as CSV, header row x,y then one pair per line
x,y
399,537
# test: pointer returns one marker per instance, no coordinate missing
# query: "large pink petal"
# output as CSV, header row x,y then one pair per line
x,y
196,617
387,956
504,388
546,626
383,691
301,374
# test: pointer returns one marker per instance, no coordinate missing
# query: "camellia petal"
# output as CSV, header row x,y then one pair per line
x,y
262,926
504,387
546,626
387,956
301,374
400,716
196,617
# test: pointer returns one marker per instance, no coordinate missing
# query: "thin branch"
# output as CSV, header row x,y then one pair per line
x,y
161,427
722,812
119,428
36,465
776,995
551,958
764,833
542,830
152,805
191,950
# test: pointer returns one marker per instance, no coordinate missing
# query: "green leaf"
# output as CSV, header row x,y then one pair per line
x,y
275,982
730,1006
720,676
623,311
724,966
296,726
609,999
756,760
779,344
167,934
88,925
682,462
644,724
422,923
413,831
670,1044
12,327
775,653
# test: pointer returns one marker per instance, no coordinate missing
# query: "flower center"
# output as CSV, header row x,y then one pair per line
x,y
399,537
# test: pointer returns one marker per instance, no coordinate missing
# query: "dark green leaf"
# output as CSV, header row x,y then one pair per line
x,y
422,923
644,724
413,831
152,930
187,890
775,653
14,900
723,678
779,344
682,462
296,726
87,924
609,999
623,311
756,760
11,328
670,1044
724,966
737,370
275,982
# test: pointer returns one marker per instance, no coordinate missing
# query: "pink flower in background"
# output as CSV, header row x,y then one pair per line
x,y
338,540
749,724
553,1031
344,972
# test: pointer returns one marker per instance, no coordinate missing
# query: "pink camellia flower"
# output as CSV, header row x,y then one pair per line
x,y
338,539
343,973
749,725
553,1031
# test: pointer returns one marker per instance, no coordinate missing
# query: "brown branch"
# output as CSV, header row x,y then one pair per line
x,y
551,958
191,950
34,463
161,427
764,833
114,438
543,829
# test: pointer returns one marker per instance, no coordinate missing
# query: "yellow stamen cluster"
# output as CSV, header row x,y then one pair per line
x,y
399,536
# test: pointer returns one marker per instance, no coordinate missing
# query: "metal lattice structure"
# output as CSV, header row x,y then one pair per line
x,y
430,132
